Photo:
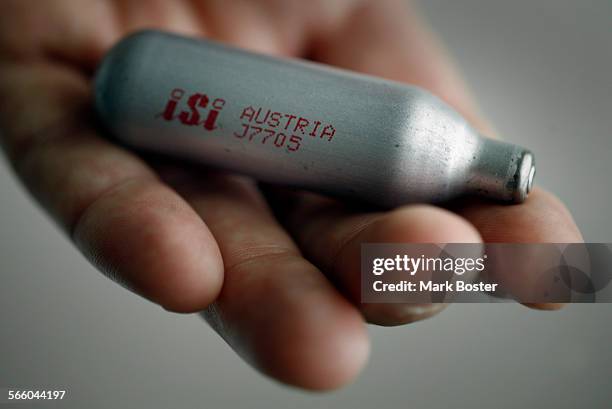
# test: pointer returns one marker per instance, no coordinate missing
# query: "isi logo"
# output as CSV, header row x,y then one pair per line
x,y
196,110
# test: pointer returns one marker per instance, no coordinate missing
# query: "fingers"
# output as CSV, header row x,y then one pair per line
x,y
275,309
383,39
387,39
134,228
80,31
143,235
69,30
331,235
280,27
542,218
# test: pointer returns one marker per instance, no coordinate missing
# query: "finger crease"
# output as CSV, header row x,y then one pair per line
x,y
83,212
261,254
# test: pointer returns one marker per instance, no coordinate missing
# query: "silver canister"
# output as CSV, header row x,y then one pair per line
x,y
300,124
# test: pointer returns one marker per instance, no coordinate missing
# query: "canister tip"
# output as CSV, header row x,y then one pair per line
x,y
525,173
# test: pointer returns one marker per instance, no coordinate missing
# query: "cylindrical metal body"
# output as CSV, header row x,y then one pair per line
x,y
300,124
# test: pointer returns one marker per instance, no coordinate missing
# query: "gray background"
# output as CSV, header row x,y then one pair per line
x,y
542,71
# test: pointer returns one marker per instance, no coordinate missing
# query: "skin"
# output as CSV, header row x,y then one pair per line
x,y
273,270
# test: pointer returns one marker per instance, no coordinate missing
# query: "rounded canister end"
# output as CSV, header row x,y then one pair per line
x,y
502,171
525,173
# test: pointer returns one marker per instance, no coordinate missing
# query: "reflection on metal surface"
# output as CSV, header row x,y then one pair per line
x,y
300,124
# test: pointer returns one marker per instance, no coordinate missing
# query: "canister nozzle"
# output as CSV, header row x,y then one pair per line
x,y
525,172
502,171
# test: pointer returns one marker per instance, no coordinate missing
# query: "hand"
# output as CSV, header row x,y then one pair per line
x,y
193,242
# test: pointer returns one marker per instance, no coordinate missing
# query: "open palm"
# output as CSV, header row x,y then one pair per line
x,y
276,274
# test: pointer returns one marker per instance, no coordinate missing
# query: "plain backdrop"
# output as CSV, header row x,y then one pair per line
x,y
542,72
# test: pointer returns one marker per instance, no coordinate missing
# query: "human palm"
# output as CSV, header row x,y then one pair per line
x,y
276,272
